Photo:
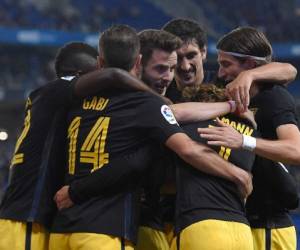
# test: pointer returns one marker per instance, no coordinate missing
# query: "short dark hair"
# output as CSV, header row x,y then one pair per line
x,y
188,30
74,58
157,39
247,41
120,46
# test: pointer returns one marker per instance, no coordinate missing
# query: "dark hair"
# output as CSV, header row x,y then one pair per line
x,y
120,46
248,41
157,39
204,93
187,30
74,58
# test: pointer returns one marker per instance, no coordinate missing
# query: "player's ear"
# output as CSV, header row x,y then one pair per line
x,y
203,53
138,65
100,61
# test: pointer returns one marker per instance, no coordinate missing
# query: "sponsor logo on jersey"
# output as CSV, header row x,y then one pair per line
x,y
168,114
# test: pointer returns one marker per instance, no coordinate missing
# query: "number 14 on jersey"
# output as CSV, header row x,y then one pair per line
x,y
92,149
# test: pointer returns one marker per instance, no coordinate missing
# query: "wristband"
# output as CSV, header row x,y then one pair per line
x,y
232,105
249,142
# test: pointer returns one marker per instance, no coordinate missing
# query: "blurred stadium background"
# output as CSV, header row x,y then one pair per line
x,y
32,30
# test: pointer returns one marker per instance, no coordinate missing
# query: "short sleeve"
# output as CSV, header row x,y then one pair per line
x,y
157,119
279,106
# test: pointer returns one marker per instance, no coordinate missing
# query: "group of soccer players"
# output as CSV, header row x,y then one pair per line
x,y
121,157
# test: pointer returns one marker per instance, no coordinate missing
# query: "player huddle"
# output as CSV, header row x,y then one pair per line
x,y
137,147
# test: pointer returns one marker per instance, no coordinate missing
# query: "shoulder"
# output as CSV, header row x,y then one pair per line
x,y
57,92
275,96
144,97
276,91
52,85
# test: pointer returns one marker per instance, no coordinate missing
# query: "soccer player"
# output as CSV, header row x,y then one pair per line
x,y
37,167
27,207
110,125
245,49
159,60
210,214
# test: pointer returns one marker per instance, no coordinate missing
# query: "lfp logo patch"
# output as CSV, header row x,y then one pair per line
x,y
168,114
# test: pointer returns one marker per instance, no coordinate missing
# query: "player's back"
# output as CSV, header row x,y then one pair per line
x,y
201,196
102,128
32,182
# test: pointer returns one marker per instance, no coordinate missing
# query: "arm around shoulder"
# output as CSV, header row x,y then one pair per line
x,y
106,78
208,161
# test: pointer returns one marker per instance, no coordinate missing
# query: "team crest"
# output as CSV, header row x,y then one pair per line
x,y
168,114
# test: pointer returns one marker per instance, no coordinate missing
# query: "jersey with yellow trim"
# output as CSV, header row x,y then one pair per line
x,y
101,129
201,196
34,174
274,189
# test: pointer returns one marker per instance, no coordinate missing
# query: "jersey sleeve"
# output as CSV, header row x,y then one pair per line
x,y
157,119
279,105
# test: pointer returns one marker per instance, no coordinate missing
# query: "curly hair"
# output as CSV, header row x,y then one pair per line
x,y
204,93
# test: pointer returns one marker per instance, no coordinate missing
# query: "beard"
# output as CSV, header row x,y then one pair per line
x,y
156,84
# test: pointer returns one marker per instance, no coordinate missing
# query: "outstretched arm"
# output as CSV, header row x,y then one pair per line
x,y
98,80
198,155
108,178
285,149
275,72
207,160
200,111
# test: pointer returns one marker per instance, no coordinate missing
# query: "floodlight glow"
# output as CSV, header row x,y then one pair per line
x,y
3,136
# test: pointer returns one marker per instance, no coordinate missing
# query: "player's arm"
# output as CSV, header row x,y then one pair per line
x,y
109,178
98,80
162,126
275,72
207,160
198,155
285,149
200,111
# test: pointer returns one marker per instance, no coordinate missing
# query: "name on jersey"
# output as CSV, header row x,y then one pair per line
x,y
240,127
95,103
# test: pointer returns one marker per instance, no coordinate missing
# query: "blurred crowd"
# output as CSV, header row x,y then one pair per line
x,y
279,19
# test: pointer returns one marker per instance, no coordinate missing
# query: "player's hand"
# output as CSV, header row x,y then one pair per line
x,y
248,114
243,180
224,135
62,198
238,90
